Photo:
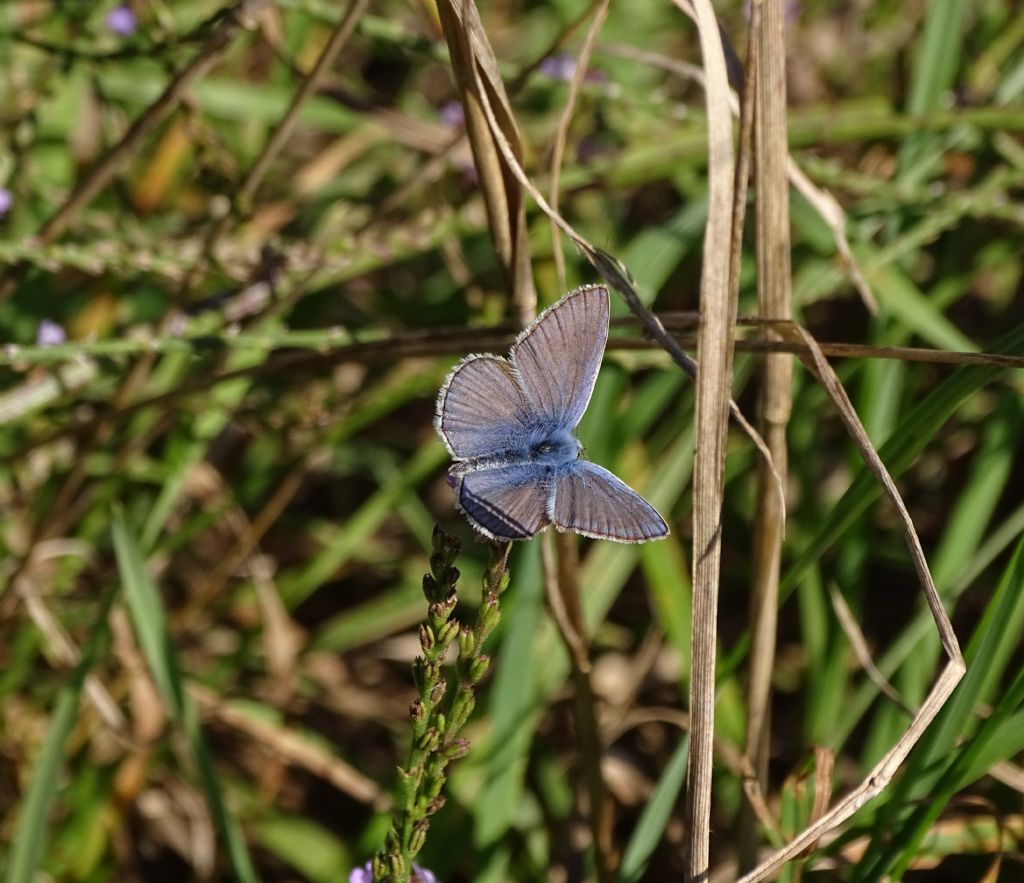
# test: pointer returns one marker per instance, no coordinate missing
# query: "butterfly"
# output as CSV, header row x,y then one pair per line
x,y
509,425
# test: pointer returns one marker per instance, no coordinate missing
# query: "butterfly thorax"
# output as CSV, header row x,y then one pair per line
x,y
558,447
548,448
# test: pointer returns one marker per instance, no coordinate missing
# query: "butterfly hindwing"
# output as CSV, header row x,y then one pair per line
x,y
507,502
592,501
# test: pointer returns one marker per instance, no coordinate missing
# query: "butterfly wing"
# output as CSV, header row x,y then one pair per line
x,y
481,410
558,357
507,502
593,502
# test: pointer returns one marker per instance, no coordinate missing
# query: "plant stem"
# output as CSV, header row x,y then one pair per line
x,y
439,714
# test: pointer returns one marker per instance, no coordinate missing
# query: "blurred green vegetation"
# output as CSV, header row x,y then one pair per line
x,y
216,509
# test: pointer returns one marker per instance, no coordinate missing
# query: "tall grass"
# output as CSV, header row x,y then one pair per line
x,y
218,494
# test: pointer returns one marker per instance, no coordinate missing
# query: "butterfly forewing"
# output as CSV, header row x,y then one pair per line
x,y
507,502
590,500
481,410
558,358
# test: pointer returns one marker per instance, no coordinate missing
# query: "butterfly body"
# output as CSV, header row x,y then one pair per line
x,y
509,425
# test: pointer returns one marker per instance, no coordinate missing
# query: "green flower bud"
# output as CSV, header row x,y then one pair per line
x,y
467,642
428,741
455,749
446,634
418,673
489,616
396,865
418,837
431,671
478,667
462,707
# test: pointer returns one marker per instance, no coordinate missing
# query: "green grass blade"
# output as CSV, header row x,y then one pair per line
x,y
150,621
906,842
512,702
918,426
351,535
33,828
934,74
655,816
987,656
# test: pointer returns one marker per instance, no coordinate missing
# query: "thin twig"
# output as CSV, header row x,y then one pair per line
x,y
848,623
339,344
339,37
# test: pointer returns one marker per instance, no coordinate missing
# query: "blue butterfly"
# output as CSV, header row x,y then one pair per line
x,y
509,423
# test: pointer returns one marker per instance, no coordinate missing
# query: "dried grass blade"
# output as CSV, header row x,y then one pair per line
x,y
713,394
831,212
478,79
767,65
859,645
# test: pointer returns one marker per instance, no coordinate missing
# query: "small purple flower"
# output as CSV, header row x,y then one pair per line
x,y
451,114
362,875
365,874
562,67
121,20
50,334
6,201
558,67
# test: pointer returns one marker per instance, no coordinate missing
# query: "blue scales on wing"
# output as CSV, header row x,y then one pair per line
x,y
507,502
481,410
557,358
593,502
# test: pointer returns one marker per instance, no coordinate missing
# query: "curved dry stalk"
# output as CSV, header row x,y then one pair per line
x,y
882,773
562,131
470,50
859,645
